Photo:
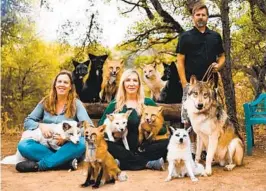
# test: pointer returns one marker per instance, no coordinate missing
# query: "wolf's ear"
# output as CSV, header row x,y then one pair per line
x,y
193,80
101,128
75,63
66,126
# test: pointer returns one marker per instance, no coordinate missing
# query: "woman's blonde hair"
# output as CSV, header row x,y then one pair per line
x,y
121,92
50,100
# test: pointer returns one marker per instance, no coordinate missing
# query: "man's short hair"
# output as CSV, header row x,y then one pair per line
x,y
199,6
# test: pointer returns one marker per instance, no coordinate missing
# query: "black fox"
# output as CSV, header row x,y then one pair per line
x,y
89,90
173,91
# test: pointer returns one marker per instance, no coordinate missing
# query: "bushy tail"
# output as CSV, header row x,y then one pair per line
x,y
13,159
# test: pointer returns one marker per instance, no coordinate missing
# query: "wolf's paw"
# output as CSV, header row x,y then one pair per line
x,y
229,167
168,179
208,171
194,179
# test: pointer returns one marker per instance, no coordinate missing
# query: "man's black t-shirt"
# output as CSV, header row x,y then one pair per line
x,y
200,50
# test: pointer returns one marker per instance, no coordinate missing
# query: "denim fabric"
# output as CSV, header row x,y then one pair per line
x,y
48,158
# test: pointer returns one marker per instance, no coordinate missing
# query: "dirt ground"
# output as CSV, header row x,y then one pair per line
x,y
250,176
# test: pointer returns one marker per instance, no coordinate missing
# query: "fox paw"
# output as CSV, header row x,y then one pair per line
x,y
208,172
194,179
167,179
229,167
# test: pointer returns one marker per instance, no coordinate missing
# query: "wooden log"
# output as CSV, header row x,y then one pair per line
x,y
171,112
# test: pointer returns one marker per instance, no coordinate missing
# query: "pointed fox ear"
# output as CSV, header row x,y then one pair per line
x,y
172,129
66,126
75,63
87,62
127,114
101,128
193,80
160,109
110,117
189,129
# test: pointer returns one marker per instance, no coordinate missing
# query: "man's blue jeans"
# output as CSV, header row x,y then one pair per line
x,y
48,158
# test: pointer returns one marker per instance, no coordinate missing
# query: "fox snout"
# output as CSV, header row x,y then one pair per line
x,y
148,121
181,140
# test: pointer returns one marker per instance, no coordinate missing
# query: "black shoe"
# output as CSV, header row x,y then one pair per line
x,y
27,166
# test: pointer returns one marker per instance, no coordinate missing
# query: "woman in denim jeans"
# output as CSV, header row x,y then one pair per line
x,y
61,104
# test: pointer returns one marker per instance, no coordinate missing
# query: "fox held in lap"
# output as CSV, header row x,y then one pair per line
x,y
102,167
112,72
150,125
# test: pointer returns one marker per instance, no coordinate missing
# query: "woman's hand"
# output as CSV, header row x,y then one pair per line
x,y
45,129
59,140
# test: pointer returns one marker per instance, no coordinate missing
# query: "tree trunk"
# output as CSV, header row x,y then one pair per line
x,y
228,83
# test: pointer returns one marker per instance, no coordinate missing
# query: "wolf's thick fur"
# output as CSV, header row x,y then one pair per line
x,y
179,156
150,124
112,72
117,123
213,127
69,130
101,165
153,80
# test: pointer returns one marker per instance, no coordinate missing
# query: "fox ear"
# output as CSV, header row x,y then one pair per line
x,y
110,117
66,126
172,129
160,109
87,62
193,80
127,114
189,129
102,128
75,63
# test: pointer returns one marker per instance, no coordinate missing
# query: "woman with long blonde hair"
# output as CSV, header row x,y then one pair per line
x,y
61,104
130,96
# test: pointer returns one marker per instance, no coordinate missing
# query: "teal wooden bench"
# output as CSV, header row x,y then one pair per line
x,y
255,113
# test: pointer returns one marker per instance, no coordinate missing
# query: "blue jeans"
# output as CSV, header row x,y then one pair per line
x,y
48,158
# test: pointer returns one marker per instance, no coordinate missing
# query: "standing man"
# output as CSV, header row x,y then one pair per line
x,y
197,49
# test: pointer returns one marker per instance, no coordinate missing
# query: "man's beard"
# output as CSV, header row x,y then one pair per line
x,y
201,23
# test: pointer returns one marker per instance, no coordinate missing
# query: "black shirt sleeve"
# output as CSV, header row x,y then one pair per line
x,y
182,45
220,48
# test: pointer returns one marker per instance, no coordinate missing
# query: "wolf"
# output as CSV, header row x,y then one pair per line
x,y
89,90
180,162
117,123
68,130
153,80
111,77
101,165
172,91
151,122
213,127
